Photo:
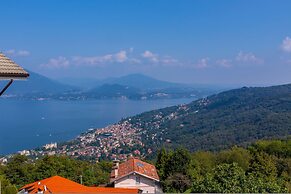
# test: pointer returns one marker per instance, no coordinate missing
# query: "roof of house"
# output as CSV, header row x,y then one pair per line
x,y
10,70
134,165
57,184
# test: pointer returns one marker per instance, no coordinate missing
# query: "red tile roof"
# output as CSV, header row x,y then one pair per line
x,y
57,184
135,165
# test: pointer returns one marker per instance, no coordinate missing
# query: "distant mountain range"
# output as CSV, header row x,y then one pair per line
x,y
38,84
144,82
133,80
133,86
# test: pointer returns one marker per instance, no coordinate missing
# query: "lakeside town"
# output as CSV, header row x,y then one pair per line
x,y
112,142
128,137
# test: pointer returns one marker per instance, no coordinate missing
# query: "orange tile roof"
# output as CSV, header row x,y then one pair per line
x,y
57,184
135,165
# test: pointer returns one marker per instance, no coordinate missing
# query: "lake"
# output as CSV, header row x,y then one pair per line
x,y
27,124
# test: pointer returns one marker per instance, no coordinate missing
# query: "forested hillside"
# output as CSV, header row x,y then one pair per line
x,y
235,117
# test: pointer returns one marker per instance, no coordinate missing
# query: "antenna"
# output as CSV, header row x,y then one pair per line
x,y
81,180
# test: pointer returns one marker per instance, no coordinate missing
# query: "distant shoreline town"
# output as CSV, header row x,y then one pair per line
x,y
112,142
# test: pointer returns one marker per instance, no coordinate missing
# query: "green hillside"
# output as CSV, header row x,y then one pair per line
x,y
235,117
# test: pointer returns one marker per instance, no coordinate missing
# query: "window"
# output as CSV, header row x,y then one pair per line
x,y
137,180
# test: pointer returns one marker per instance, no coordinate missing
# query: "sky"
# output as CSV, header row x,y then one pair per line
x,y
246,42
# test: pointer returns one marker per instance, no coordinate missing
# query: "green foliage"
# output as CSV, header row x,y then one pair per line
x,y
51,166
280,148
178,162
173,168
162,159
6,186
20,171
237,170
203,162
235,155
177,183
225,178
263,165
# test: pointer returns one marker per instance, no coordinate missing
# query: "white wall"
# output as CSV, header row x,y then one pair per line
x,y
146,185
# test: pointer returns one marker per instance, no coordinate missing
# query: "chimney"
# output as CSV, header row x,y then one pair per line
x,y
130,156
115,167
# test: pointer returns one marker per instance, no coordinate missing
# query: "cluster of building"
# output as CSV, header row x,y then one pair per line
x,y
114,141
131,176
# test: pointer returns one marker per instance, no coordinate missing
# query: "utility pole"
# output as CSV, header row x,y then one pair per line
x,y
81,180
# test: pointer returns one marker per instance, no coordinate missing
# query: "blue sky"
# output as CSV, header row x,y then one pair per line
x,y
195,41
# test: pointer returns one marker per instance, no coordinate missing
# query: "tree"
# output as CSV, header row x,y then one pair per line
x,y
6,186
162,159
263,165
177,183
19,171
226,178
203,162
255,184
178,162
54,165
237,155
173,168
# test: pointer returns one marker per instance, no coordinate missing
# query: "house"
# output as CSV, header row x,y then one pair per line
x,y
135,173
9,70
57,184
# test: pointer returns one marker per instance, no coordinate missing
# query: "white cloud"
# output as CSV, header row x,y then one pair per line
x,y
59,62
248,58
202,63
161,60
224,62
122,57
80,60
119,57
17,53
169,60
286,45
150,56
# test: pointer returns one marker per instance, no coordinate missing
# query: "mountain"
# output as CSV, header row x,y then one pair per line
x,y
138,86
143,82
37,84
137,80
235,117
134,86
132,80
114,91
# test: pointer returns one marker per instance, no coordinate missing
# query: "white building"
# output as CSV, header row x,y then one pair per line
x,y
135,173
24,152
50,146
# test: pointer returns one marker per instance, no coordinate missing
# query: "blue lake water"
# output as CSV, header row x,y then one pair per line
x,y
26,124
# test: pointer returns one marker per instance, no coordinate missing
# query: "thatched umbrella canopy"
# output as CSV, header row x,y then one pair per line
x,y
9,70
